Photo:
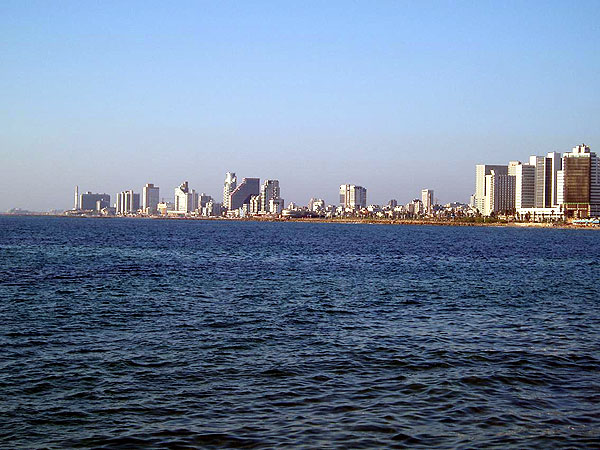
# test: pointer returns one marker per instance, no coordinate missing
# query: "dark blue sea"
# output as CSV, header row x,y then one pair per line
x,y
131,333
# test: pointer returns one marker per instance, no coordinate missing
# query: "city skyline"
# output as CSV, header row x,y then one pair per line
x,y
476,198
391,96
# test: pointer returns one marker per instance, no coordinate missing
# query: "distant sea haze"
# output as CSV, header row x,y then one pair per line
x,y
191,334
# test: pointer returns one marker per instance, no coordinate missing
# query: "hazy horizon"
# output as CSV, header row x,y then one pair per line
x,y
392,96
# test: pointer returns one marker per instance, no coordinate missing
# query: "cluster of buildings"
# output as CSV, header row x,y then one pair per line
x,y
249,198
552,187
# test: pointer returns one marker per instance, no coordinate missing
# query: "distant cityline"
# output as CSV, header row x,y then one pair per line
x,y
555,187
251,198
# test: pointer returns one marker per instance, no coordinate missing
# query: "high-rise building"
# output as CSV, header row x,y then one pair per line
x,y
269,191
481,170
500,193
76,206
352,196
554,160
546,174
150,198
128,202
241,194
93,202
186,200
524,186
427,200
581,183
228,188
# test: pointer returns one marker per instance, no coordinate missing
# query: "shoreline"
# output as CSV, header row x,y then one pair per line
x,y
349,220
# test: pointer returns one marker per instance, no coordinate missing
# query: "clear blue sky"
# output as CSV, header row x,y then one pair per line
x,y
396,96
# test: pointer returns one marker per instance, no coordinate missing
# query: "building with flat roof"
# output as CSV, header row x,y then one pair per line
x,y
427,200
93,202
524,187
481,171
353,197
128,202
150,198
581,183
500,193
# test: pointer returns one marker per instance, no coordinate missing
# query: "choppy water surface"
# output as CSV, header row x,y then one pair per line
x,y
183,334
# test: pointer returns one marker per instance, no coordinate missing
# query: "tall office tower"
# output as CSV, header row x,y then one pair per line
x,y
427,200
352,196
93,202
241,194
481,170
581,180
127,202
186,200
524,186
543,185
228,188
268,191
554,160
150,198
76,206
500,193
546,172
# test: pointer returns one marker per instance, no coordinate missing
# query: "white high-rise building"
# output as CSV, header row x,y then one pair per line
x,y
500,193
186,201
268,191
554,160
427,200
228,188
128,202
76,205
524,187
546,183
150,198
352,196
481,170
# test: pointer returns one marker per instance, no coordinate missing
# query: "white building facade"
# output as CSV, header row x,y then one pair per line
x,y
150,198
353,197
228,187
